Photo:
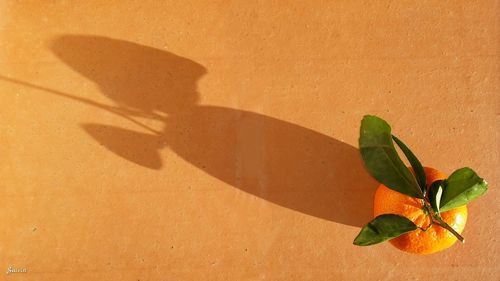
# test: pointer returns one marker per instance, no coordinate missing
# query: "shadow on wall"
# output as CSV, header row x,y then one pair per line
x,y
283,163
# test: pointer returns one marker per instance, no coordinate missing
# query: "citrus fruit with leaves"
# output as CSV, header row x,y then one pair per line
x,y
428,237
418,209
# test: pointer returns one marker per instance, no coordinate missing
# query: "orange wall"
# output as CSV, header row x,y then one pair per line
x,y
173,140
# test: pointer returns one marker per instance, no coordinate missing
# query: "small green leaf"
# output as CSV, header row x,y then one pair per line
x,y
435,194
463,186
415,164
383,228
381,158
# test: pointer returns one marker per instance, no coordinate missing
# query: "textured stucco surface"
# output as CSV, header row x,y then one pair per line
x,y
216,140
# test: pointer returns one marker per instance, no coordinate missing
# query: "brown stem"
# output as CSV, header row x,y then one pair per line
x,y
436,218
450,229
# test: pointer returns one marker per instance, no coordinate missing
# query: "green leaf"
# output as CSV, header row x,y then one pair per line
x,y
463,186
435,194
383,228
381,158
415,164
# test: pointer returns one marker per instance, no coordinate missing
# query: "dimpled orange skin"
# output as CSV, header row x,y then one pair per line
x,y
436,238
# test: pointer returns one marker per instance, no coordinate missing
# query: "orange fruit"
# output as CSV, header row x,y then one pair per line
x,y
435,238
